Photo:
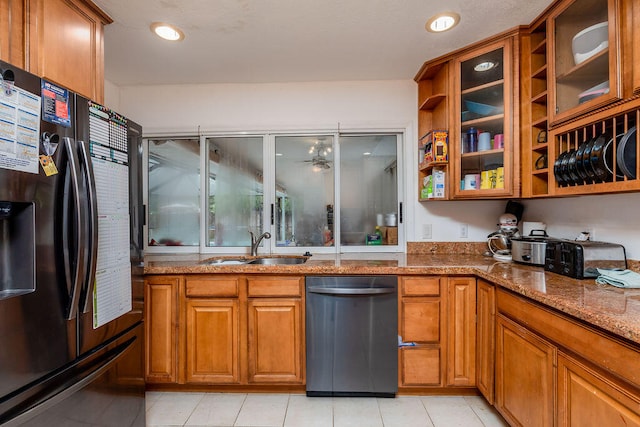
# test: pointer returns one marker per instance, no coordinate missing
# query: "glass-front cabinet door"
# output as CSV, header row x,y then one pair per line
x,y
483,152
583,57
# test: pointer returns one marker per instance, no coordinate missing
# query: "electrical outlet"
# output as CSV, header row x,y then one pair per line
x,y
464,231
426,232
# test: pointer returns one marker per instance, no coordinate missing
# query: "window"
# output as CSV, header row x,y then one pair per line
x,y
173,192
235,190
322,192
304,190
368,189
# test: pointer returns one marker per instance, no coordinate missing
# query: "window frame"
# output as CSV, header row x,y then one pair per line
x,y
269,246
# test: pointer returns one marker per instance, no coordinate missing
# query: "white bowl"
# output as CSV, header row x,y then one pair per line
x,y
590,41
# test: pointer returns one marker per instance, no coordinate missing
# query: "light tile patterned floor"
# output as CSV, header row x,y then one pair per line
x,y
296,410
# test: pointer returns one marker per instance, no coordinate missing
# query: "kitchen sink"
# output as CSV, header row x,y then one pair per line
x,y
224,261
278,260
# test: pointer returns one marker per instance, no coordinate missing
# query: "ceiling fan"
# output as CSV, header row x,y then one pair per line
x,y
319,159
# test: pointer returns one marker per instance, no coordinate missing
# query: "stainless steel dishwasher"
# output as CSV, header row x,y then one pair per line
x,y
352,335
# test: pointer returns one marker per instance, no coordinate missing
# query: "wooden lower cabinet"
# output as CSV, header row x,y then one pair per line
x,y
421,312
275,340
213,341
588,398
438,314
485,338
461,329
525,373
161,328
225,329
275,329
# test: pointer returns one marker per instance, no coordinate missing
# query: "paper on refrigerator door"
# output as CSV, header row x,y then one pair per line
x,y
19,130
112,293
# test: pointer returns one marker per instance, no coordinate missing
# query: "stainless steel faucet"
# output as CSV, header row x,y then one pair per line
x,y
256,242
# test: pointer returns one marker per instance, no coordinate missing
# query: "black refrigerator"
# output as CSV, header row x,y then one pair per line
x,y
71,286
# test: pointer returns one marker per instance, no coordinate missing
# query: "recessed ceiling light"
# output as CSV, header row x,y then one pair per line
x,y
167,31
484,66
442,22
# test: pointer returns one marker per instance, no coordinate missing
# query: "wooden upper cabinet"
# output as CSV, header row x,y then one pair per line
x,y
584,57
12,42
66,44
484,141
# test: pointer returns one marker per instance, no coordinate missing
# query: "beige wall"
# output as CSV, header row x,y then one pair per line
x,y
362,105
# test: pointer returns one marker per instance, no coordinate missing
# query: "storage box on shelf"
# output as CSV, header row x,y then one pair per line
x,y
434,156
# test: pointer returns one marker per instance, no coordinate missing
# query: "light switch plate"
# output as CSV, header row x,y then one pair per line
x,y
426,232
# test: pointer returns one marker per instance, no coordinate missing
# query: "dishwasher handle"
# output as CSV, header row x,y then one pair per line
x,y
351,291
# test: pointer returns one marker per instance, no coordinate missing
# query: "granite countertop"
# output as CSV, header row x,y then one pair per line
x,y
609,308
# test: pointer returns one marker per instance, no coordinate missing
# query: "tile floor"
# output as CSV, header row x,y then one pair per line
x,y
292,410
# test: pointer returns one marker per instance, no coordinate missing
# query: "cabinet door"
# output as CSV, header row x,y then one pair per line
x,y
524,376
12,29
485,333
161,324
66,44
587,398
584,57
212,341
484,154
275,340
461,327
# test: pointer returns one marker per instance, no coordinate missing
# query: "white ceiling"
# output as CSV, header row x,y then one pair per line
x,y
260,41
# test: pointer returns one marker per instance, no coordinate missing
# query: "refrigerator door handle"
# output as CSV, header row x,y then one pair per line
x,y
74,284
62,391
87,169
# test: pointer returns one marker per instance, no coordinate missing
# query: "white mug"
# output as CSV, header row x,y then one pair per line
x,y
471,181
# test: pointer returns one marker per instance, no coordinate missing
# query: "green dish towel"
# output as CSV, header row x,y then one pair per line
x,y
618,278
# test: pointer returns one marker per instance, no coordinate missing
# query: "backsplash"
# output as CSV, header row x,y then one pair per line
x,y
438,248
469,248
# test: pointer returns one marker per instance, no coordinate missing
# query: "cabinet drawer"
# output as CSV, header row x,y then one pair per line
x,y
420,366
420,320
275,286
420,286
212,287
